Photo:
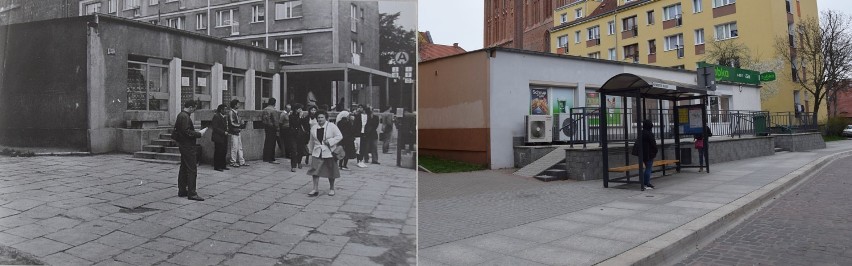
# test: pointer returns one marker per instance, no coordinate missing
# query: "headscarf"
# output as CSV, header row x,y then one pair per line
x,y
341,115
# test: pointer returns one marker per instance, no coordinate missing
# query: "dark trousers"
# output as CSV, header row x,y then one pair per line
x,y
269,146
188,169
373,145
368,147
220,149
283,139
646,176
293,141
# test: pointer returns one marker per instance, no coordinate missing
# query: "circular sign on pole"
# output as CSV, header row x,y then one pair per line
x,y
401,58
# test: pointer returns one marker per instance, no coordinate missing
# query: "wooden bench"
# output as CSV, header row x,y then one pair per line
x,y
632,167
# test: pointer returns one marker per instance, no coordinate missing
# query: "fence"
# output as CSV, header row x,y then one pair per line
x,y
581,126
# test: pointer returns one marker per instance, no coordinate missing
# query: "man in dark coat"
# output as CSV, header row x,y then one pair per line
x,y
220,137
270,125
372,135
649,152
184,134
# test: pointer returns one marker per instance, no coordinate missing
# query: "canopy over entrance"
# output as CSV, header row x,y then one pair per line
x,y
627,84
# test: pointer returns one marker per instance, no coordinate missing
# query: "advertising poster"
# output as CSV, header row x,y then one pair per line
x,y
561,100
615,110
538,102
593,99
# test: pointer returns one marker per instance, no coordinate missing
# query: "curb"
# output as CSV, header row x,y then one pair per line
x,y
673,246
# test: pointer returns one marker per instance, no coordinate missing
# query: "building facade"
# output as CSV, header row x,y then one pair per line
x,y
520,24
338,36
680,33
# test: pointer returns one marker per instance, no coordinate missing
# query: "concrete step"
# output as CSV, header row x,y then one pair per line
x,y
547,178
164,143
153,148
157,156
561,165
172,150
154,161
560,173
779,149
166,136
546,162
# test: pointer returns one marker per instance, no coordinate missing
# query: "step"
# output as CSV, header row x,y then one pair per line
x,y
172,150
157,156
164,143
153,148
154,161
166,136
779,149
561,173
547,178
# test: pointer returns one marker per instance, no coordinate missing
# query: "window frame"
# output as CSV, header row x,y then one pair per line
x,y
613,54
730,28
289,44
578,13
577,36
256,16
179,22
701,35
559,43
667,45
594,29
651,20
201,21
697,6
679,10
219,21
721,3
288,8
611,28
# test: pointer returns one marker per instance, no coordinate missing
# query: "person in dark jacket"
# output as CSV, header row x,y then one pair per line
x,y
184,134
270,125
220,137
649,153
297,132
308,122
367,123
344,123
701,147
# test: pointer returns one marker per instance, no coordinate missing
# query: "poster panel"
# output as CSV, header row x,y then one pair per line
x,y
538,101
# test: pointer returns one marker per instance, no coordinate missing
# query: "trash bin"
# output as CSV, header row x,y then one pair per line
x,y
686,156
760,128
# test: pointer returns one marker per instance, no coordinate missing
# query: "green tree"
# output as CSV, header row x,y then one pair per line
x,y
395,39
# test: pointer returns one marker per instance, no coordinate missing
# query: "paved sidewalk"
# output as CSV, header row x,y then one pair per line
x,y
517,221
107,210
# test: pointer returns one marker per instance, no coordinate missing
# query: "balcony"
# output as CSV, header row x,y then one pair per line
x,y
594,42
724,10
671,23
634,32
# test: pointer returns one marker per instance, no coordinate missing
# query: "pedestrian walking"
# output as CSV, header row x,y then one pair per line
x,y
235,126
701,147
270,124
646,138
184,134
298,149
345,125
284,130
387,129
220,137
324,138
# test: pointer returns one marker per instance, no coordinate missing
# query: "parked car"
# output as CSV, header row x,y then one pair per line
x,y
847,132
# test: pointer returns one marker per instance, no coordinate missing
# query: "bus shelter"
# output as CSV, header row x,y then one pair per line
x,y
673,121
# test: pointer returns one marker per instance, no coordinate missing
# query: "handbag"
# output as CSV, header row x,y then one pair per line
x,y
699,144
338,152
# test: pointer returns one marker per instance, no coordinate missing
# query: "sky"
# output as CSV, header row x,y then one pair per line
x,y
407,8
463,22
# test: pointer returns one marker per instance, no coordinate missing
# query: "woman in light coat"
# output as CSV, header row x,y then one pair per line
x,y
324,137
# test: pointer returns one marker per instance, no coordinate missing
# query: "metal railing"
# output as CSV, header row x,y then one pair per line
x,y
583,125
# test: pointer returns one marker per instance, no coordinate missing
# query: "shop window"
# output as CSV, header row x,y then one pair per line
x,y
234,86
147,84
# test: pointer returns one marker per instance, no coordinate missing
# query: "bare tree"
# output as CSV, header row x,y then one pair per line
x,y
732,53
820,55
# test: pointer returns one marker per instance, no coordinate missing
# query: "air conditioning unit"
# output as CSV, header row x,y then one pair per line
x,y
539,128
235,28
568,128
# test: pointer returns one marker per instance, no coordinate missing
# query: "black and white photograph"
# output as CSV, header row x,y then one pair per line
x,y
208,132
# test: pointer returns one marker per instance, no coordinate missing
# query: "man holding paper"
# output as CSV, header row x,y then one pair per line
x,y
185,134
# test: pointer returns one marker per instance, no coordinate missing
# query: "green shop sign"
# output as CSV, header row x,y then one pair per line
x,y
736,75
767,76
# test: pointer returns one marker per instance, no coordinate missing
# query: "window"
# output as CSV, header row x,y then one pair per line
x,y
595,55
288,9
578,13
235,84
673,42
131,4
262,87
611,26
289,46
153,2
577,37
612,55
632,52
628,23
356,57
564,17
258,13
696,6
789,7
198,85
201,21
699,36
147,84
354,16
594,32
89,9
671,12
258,43
726,31
225,18
111,4
652,46
562,41
651,17
176,23
718,3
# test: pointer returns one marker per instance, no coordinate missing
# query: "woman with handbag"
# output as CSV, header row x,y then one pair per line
x,y
324,139
701,147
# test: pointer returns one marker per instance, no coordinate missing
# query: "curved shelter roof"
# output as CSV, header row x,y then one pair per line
x,y
627,84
